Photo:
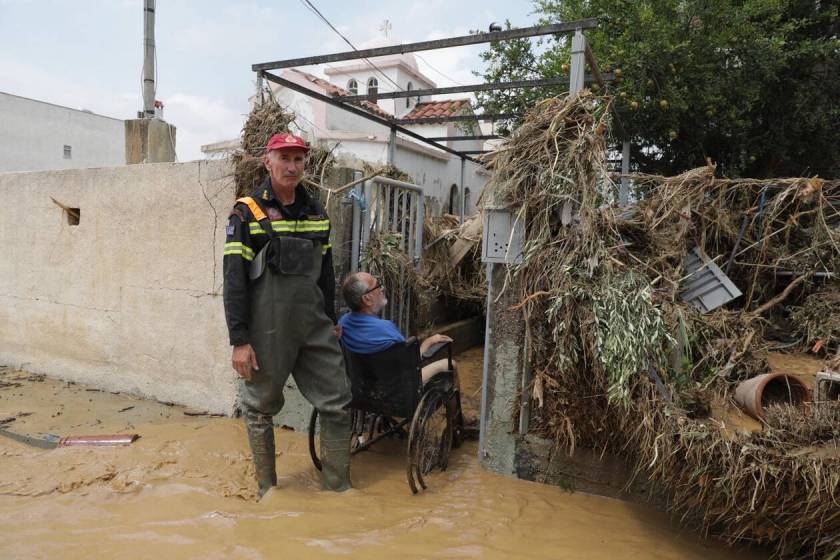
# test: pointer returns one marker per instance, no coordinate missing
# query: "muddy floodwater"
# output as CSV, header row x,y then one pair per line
x,y
185,490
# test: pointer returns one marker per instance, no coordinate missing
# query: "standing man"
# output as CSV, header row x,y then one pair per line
x,y
279,291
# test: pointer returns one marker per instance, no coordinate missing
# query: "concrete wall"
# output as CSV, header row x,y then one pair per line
x,y
34,134
130,298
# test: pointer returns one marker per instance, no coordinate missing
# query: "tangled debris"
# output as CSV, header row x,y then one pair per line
x,y
265,120
599,288
452,259
385,258
818,319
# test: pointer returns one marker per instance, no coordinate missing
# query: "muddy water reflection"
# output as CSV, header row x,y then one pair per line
x,y
184,490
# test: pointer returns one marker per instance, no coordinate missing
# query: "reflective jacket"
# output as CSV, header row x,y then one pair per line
x,y
305,218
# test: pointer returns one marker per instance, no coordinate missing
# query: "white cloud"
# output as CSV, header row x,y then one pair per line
x,y
200,120
30,81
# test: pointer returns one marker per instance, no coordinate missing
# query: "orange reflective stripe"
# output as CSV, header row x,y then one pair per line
x,y
253,206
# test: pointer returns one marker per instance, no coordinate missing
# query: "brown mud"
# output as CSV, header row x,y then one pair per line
x,y
184,490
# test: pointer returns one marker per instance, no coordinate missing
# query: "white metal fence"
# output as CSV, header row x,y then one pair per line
x,y
383,205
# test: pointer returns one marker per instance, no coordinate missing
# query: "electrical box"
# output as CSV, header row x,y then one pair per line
x,y
503,238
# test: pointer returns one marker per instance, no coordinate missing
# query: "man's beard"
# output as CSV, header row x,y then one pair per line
x,y
382,306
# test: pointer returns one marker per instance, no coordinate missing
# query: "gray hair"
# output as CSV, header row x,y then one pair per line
x,y
352,290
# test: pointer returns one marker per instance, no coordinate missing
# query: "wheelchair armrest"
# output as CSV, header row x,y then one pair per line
x,y
434,349
429,355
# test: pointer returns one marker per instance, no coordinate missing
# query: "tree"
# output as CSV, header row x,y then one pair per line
x,y
751,84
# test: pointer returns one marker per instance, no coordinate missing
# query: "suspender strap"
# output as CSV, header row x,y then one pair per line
x,y
258,213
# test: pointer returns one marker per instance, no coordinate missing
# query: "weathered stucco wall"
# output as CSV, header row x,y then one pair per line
x,y
130,298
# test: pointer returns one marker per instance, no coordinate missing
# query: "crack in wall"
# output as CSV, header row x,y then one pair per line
x,y
64,303
215,225
190,292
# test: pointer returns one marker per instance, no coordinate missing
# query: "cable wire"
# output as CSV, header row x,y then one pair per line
x,y
308,4
429,64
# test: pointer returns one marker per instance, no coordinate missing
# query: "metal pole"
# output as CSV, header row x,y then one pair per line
x,y
365,232
392,148
260,97
485,373
578,63
624,190
149,59
418,224
404,220
355,237
471,39
387,221
519,84
463,190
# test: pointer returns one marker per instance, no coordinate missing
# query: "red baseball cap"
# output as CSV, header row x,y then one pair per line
x,y
286,141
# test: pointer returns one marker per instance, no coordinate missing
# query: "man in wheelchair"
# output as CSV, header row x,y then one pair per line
x,y
393,391
364,332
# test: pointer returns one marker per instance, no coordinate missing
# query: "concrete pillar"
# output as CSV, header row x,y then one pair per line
x,y
149,141
503,358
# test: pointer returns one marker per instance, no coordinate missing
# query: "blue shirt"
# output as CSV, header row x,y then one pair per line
x,y
368,334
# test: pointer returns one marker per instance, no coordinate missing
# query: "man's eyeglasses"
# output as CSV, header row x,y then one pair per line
x,y
375,287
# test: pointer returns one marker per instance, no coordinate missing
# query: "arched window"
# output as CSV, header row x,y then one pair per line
x,y
453,199
409,87
353,86
373,86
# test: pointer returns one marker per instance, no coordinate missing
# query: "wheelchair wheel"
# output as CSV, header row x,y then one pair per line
x,y
357,429
457,416
430,438
313,429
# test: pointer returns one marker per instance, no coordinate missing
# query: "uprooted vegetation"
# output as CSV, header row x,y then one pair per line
x,y
599,289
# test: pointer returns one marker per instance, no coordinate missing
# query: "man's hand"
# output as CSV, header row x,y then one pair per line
x,y
244,361
432,340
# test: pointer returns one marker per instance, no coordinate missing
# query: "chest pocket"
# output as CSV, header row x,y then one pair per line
x,y
290,255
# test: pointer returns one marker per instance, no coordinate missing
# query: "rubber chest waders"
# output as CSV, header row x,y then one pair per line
x,y
290,333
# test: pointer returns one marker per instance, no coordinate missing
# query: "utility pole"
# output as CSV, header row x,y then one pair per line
x,y
149,59
148,138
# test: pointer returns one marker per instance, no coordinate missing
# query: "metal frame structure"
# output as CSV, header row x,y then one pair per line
x,y
577,77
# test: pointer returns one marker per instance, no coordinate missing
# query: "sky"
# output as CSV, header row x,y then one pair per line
x,y
88,54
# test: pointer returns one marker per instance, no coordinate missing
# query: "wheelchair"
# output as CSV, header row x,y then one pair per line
x,y
390,400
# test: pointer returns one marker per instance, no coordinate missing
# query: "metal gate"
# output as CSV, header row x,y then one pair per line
x,y
384,205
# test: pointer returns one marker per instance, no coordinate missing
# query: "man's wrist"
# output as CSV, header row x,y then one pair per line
x,y
239,339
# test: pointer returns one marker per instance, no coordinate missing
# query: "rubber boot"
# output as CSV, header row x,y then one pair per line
x,y
261,438
335,451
